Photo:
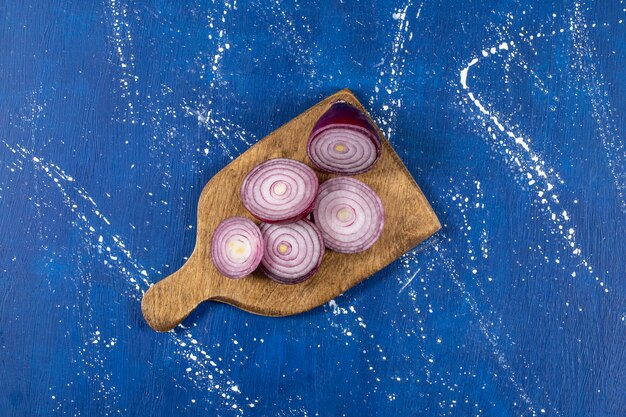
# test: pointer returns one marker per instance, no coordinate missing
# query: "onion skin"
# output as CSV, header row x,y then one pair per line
x,y
280,191
343,117
349,214
236,247
292,252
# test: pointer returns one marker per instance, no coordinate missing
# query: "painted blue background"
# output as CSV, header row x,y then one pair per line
x,y
114,114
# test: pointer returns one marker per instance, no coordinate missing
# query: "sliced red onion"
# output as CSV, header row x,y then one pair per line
x,y
344,141
280,190
349,214
293,252
236,247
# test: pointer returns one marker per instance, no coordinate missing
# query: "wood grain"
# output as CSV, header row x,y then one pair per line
x,y
409,220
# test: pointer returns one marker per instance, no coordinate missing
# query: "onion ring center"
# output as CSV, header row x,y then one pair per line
x,y
345,214
341,148
238,249
284,248
280,188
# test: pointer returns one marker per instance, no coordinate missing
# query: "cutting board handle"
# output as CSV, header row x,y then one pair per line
x,y
168,302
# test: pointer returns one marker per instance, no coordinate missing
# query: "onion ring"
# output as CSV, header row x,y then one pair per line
x,y
344,141
349,214
293,252
236,247
280,190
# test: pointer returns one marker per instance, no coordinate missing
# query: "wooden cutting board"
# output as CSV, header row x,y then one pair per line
x,y
409,220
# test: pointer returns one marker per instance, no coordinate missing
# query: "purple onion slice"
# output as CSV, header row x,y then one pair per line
x,y
236,247
293,252
344,141
349,214
280,190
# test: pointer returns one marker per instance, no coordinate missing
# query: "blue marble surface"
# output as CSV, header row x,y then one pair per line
x,y
509,114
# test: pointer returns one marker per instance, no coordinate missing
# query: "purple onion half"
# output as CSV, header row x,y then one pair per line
x,y
236,247
293,252
344,141
280,190
349,214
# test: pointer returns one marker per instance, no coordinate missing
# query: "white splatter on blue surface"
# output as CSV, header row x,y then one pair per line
x,y
114,114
